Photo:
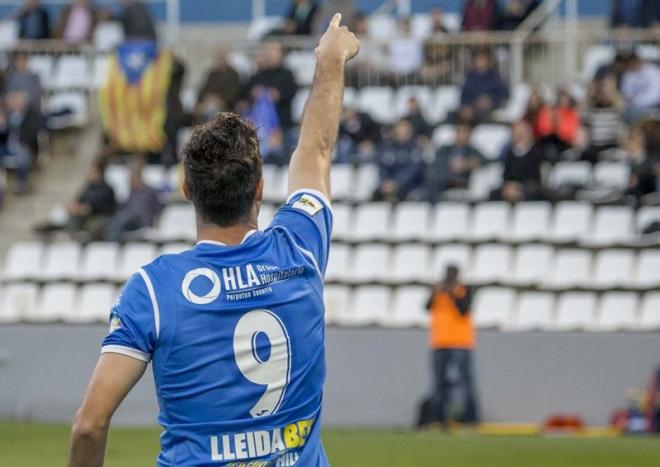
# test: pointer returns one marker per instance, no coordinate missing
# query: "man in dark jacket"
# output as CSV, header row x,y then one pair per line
x,y
33,21
301,17
136,21
484,90
220,90
632,13
94,204
274,78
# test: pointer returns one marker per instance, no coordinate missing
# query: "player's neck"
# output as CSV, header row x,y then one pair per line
x,y
233,235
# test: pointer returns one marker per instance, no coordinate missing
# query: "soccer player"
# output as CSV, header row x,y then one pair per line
x,y
234,327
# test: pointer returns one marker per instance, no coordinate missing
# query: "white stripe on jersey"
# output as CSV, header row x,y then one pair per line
x,y
152,295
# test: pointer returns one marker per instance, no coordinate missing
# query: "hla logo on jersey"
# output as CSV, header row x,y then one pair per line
x,y
210,296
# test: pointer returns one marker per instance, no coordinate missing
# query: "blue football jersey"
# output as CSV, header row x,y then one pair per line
x,y
236,337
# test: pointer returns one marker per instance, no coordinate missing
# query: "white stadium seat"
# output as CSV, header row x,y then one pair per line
x,y
595,57
19,301
368,305
108,35
411,220
570,174
23,260
616,311
533,311
649,319
302,64
572,267
490,139
271,175
572,221
61,261
381,26
493,307
444,135
367,182
75,103
42,66
259,27
371,263
99,261
57,302
337,300
72,71
117,176
445,100
530,220
485,179
646,215
492,262
177,222
532,263
575,310
342,181
408,308
451,221
378,102
339,262
341,221
155,177
490,220
266,214
132,257
515,107
456,254
647,271
612,224
8,34
421,25
371,221
612,175
613,268
411,263
94,303
403,95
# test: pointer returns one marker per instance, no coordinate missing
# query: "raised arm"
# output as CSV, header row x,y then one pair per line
x,y
310,163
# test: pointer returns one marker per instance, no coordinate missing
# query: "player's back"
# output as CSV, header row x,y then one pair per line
x,y
237,342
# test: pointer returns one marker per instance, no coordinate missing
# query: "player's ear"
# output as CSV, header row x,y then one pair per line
x,y
259,195
185,188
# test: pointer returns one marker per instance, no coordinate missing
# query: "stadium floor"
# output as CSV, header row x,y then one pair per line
x,y
32,445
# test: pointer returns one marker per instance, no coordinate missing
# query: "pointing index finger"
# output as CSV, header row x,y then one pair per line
x,y
336,20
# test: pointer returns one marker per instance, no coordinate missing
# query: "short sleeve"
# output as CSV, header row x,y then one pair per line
x,y
132,321
307,216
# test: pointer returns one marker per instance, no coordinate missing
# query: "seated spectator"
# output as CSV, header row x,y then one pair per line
x,y
371,64
93,206
438,25
640,86
616,68
401,165
558,126
275,79
602,117
20,78
405,52
359,135
436,54
632,13
515,12
416,118
138,212
483,90
644,167
301,17
76,22
136,21
220,90
33,21
522,158
20,127
480,15
453,164
535,104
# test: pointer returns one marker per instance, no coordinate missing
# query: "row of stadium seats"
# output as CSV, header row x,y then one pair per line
x,y
498,307
71,71
107,35
526,265
493,307
568,221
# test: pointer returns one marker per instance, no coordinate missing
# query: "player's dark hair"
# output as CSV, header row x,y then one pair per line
x,y
222,166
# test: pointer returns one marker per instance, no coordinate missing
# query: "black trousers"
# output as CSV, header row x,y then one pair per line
x,y
462,360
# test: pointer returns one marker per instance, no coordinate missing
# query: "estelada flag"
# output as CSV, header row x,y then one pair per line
x,y
133,100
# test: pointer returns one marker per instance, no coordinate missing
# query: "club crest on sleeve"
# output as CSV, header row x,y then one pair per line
x,y
309,204
115,321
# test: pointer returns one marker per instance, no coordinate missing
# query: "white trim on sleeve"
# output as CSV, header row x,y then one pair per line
x,y
128,351
315,193
154,302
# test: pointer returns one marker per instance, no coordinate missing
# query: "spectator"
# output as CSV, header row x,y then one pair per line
x,y
176,117
453,164
371,64
480,15
401,165
483,90
359,135
640,86
616,68
301,17
416,118
558,127
436,53
76,22
33,21
644,167
94,204
272,77
522,166
515,12
13,154
438,25
139,211
452,341
328,10
405,52
20,78
136,21
220,90
632,13
535,105
602,117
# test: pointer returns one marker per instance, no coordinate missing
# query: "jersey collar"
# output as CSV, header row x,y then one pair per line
x,y
213,242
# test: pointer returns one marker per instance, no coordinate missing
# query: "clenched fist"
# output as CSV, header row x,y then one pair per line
x,y
337,41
